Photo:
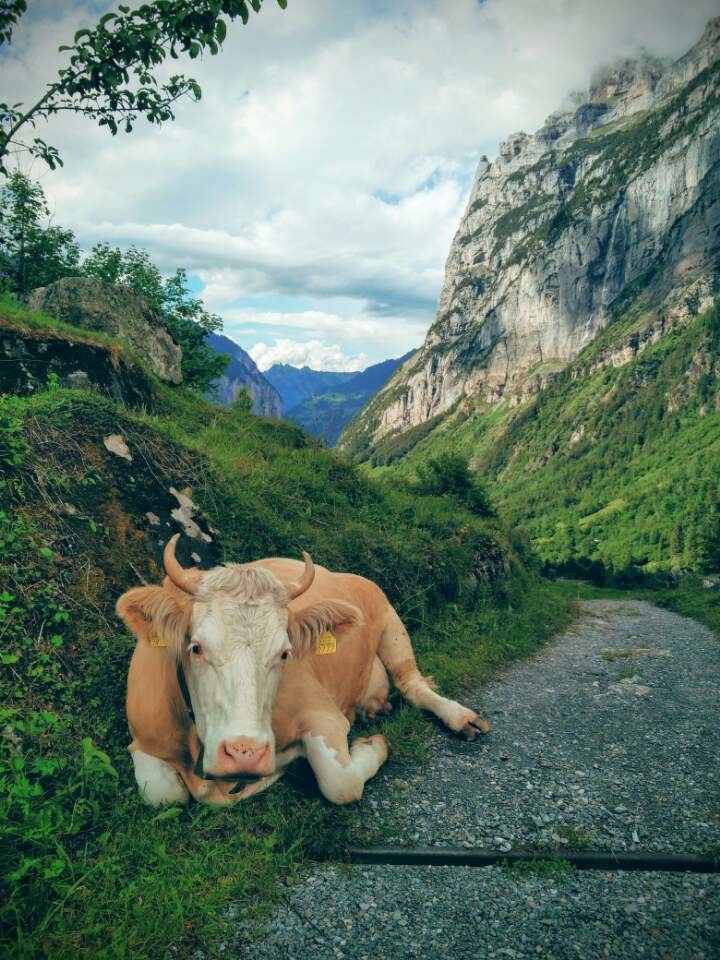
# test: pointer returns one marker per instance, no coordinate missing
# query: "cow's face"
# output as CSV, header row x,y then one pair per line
x,y
233,634
236,650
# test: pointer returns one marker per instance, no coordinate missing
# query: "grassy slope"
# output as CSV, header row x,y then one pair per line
x,y
640,485
87,868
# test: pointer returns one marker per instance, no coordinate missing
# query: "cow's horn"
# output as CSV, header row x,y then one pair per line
x,y
308,575
187,580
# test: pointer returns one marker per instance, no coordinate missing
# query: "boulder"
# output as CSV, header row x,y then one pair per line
x,y
117,312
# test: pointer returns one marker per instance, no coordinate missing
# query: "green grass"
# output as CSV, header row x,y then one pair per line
x,y
86,867
691,599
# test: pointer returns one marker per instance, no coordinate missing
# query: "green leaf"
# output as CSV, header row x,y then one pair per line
x,y
172,813
220,31
282,4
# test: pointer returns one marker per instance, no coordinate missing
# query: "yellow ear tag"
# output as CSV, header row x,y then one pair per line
x,y
154,639
325,644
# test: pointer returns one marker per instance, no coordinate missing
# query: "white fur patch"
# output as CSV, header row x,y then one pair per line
x,y
157,780
344,783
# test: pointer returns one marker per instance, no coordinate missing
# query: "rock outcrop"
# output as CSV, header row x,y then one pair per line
x,y
617,197
30,359
116,311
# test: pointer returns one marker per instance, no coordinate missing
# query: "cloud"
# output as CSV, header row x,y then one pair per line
x,y
331,156
309,353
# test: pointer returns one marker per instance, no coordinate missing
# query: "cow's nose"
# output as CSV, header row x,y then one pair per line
x,y
245,755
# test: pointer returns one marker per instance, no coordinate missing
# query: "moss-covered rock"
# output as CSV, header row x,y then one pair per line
x,y
116,312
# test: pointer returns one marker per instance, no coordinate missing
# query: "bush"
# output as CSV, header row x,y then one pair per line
x,y
450,475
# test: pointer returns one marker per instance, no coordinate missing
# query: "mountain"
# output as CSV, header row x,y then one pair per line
x,y
242,374
324,414
574,356
609,198
295,384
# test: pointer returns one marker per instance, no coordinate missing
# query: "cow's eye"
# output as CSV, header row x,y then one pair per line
x,y
195,648
285,655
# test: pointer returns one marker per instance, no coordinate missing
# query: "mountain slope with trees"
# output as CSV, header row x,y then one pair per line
x,y
241,373
296,384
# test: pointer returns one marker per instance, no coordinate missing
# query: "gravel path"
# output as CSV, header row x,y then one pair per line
x,y
608,739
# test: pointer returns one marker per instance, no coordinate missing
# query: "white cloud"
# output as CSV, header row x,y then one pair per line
x,y
346,330
309,353
331,154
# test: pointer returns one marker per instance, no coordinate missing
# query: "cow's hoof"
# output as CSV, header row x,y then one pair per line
x,y
376,707
473,726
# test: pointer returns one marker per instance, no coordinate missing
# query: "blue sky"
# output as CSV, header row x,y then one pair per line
x,y
314,191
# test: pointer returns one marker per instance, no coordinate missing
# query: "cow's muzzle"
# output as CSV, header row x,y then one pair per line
x,y
241,757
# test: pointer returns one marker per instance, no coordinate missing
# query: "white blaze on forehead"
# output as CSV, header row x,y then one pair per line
x,y
240,621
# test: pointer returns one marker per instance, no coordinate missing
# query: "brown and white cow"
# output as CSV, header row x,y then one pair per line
x,y
273,658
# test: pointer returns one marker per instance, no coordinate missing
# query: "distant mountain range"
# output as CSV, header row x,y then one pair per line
x,y
242,374
326,412
322,402
295,384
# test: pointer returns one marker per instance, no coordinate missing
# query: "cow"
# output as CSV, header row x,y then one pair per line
x,y
240,669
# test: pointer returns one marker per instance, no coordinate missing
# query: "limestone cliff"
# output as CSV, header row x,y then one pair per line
x,y
614,197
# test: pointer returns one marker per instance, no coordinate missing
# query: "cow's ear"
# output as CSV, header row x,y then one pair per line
x,y
156,616
307,626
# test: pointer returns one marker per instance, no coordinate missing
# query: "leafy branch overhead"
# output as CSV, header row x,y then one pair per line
x,y
112,71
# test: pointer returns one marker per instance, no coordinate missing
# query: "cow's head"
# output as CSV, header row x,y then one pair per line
x,y
233,634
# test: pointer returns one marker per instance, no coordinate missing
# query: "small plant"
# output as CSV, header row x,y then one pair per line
x,y
576,838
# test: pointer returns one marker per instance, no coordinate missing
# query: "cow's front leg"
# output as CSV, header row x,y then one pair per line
x,y
341,771
158,780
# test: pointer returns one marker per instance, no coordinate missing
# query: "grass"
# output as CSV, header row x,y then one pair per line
x,y
86,867
576,838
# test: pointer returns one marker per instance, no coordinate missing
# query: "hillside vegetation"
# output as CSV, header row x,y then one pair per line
x,y
608,466
86,867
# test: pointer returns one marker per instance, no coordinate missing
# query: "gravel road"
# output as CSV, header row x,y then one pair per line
x,y
608,739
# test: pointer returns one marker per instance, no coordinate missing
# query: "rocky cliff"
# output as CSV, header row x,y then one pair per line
x,y
614,198
32,358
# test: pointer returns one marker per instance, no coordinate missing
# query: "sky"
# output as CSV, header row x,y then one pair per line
x,y
313,193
